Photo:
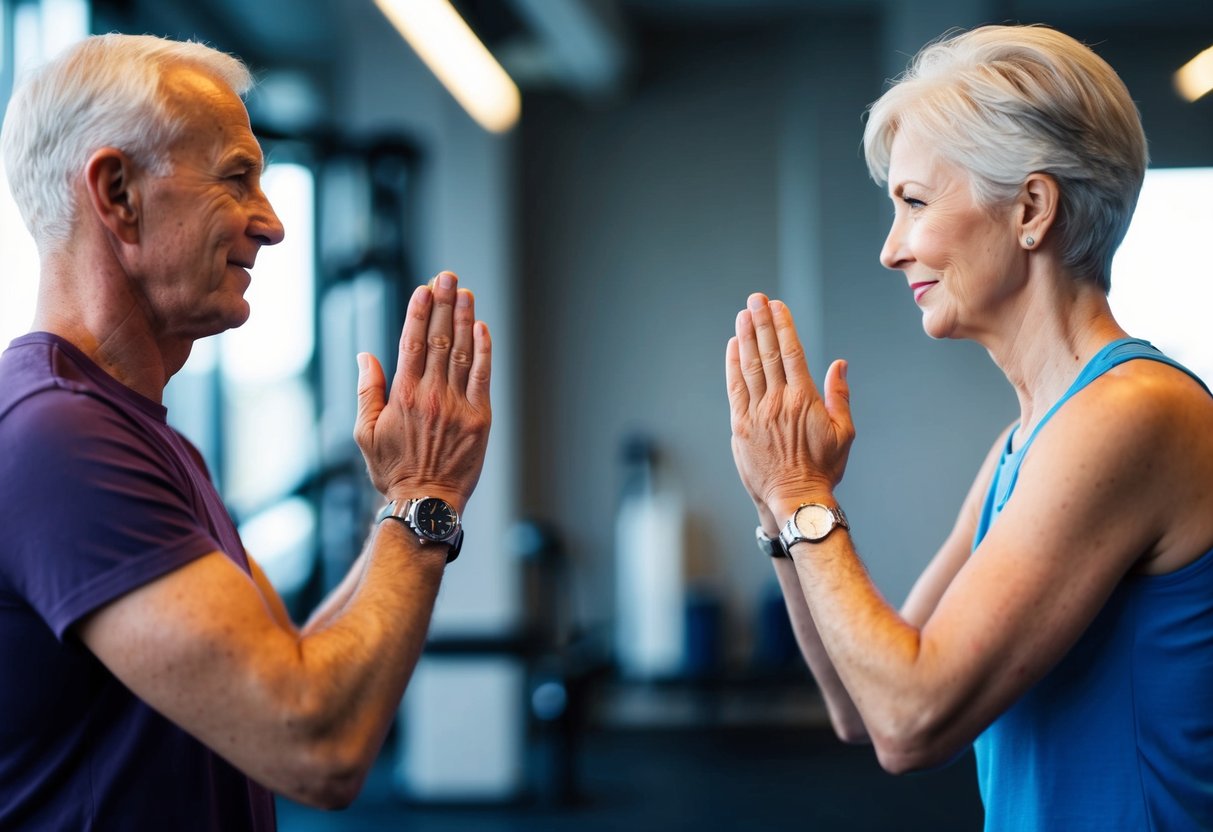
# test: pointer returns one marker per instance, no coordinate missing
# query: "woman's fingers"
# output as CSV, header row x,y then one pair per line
x,y
735,383
767,340
747,352
791,353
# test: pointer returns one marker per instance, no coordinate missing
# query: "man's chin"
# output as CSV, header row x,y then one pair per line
x,y
235,314
241,316
231,318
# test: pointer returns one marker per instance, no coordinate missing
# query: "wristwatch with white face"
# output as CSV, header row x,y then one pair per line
x,y
811,522
432,519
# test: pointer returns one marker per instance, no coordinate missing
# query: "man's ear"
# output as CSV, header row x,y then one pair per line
x,y
109,177
1038,202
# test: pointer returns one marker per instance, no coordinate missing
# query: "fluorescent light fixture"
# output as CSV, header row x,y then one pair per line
x,y
1195,78
462,63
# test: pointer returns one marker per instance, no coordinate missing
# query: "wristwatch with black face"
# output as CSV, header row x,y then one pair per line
x,y
812,522
772,547
432,519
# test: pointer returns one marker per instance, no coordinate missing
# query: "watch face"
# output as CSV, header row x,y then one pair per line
x,y
814,521
435,519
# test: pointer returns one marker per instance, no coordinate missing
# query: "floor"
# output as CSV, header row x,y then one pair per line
x,y
717,778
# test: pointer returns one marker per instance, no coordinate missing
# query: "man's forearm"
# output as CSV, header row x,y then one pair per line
x,y
357,657
336,600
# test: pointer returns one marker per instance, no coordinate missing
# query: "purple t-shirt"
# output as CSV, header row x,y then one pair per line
x,y
98,496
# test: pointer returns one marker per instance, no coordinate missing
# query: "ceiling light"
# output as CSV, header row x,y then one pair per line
x,y
1195,78
442,39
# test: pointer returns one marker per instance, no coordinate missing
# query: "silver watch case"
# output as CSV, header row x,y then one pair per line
x,y
812,523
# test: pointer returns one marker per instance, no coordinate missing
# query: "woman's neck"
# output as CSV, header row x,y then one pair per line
x,y
1059,326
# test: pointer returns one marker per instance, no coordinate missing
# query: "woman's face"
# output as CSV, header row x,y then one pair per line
x,y
962,261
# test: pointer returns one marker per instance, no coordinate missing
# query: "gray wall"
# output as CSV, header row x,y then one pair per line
x,y
736,168
733,167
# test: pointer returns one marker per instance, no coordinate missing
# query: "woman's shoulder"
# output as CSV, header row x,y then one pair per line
x,y
1141,437
1141,416
1155,394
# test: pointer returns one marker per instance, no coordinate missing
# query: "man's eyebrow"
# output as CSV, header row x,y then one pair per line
x,y
244,158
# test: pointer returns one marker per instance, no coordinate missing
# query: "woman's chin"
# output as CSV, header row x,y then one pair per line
x,y
938,326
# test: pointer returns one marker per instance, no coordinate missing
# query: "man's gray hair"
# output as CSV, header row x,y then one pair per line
x,y
106,91
1003,102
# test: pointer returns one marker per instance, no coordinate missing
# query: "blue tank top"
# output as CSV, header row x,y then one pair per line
x,y
1119,735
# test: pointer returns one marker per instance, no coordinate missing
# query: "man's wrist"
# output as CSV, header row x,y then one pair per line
x,y
426,551
401,494
767,522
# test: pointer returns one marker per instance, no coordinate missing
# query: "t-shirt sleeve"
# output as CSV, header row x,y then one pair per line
x,y
90,506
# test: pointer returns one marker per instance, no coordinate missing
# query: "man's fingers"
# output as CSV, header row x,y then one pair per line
x,y
441,333
768,341
482,366
461,347
739,394
747,351
372,394
412,338
795,369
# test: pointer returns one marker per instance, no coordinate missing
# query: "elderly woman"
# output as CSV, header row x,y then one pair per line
x,y
1065,627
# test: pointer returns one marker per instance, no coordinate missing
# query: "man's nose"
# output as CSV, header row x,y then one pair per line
x,y
265,225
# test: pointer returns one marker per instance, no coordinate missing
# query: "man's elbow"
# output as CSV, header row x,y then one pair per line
x,y
324,779
326,759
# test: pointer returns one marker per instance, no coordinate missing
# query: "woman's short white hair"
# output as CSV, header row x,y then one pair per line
x,y
1003,102
106,91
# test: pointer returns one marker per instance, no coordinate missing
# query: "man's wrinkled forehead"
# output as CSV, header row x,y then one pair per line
x,y
211,111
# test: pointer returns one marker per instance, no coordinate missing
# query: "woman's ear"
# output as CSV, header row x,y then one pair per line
x,y
112,193
1038,201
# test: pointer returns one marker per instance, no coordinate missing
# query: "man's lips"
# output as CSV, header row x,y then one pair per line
x,y
921,288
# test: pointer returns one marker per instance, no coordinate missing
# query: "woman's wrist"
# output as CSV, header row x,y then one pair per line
x,y
767,522
782,508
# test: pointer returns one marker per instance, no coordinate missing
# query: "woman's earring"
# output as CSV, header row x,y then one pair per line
x,y
1029,241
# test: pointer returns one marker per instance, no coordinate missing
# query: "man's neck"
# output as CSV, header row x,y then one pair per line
x,y
108,325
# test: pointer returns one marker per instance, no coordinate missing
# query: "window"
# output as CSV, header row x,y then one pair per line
x,y
19,281
246,397
1162,277
38,31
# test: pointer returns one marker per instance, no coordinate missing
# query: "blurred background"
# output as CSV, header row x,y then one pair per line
x,y
611,649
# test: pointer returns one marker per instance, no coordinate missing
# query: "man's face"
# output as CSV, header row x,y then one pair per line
x,y
202,224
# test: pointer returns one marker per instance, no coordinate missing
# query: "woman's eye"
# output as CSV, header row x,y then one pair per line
x,y
912,202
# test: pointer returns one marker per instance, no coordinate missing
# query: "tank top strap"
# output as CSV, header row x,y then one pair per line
x,y
1111,355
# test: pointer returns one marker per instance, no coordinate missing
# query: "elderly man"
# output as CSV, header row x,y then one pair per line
x,y
152,678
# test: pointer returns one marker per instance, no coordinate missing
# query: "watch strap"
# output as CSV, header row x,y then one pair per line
x,y
772,547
